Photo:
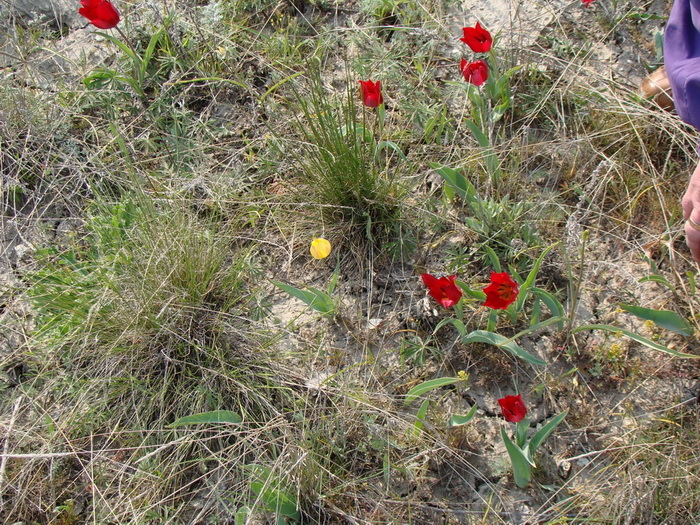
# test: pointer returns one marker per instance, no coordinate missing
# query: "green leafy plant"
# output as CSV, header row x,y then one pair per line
x,y
497,222
314,298
517,307
142,75
521,451
665,319
274,494
433,384
489,104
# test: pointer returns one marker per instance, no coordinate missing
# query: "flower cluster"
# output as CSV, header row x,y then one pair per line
x,y
475,72
500,293
479,40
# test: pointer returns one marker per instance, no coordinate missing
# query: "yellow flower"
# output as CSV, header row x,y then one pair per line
x,y
320,248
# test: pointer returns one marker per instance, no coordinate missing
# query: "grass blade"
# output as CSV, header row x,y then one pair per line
x,y
215,416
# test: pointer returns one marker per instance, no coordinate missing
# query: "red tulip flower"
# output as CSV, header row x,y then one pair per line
x,y
587,3
443,290
101,13
475,72
477,38
371,93
501,292
513,408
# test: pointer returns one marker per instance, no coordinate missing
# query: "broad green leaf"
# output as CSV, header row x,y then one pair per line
x,y
475,294
153,42
545,431
552,303
427,386
457,420
489,155
482,336
276,498
241,516
121,45
537,326
519,461
420,416
663,318
282,502
535,315
492,321
691,282
313,297
531,277
493,258
459,325
215,416
657,279
521,428
500,110
530,281
279,501
448,192
457,181
636,337
479,135
392,146
334,278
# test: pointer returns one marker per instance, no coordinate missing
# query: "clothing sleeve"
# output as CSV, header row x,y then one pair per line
x,y
682,58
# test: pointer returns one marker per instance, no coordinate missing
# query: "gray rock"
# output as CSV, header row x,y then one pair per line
x,y
58,12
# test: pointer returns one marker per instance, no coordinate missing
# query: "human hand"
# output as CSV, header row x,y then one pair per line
x,y
691,214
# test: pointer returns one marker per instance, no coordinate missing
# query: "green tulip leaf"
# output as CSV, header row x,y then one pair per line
x,y
521,465
313,297
459,325
663,318
475,294
545,431
635,337
457,420
427,386
482,336
420,416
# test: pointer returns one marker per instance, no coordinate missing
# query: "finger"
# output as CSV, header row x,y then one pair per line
x,y
692,239
691,199
687,203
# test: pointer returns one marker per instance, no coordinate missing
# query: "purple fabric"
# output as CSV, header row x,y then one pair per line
x,y
682,58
